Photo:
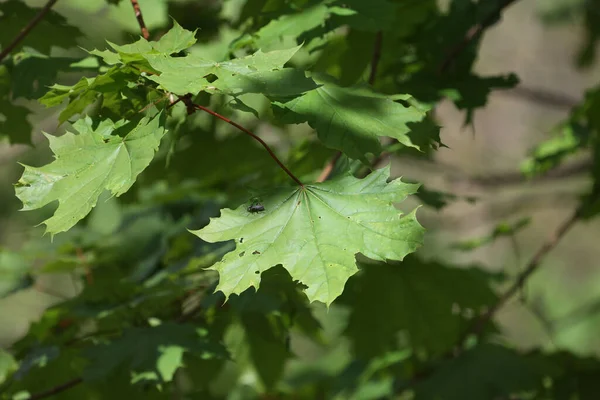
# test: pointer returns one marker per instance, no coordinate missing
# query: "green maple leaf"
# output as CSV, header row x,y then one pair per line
x,y
488,371
256,73
351,119
292,25
87,164
315,232
174,41
427,300
115,81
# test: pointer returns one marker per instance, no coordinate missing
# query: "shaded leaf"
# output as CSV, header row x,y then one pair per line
x,y
33,73
153,353
52,30
487,371
351,119
427,300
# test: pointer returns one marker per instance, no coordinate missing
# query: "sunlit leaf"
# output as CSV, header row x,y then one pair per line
x,y
108,157
315,232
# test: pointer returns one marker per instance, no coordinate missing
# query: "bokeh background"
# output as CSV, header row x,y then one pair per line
x,y
541,42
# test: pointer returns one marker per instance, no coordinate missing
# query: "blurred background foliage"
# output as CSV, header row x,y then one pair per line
x,y
517,162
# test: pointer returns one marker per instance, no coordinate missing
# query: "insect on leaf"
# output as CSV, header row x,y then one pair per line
x,y
315,232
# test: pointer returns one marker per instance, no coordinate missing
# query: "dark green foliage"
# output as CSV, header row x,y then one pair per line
x,y
160,183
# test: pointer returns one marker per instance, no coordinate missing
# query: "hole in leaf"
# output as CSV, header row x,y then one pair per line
x,y
242,254
256,252
211,78
241,240
257,272
404,103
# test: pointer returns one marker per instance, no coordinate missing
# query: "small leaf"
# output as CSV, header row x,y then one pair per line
x,y
315,232
87,164
431,302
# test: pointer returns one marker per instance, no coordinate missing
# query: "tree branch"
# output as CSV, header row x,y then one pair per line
x,y
25,31
57,389
329,167
376,57
140,19
473,34
551,242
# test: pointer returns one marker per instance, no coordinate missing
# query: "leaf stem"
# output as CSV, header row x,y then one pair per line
x,y
376,57
329,167
25,31
246,131
140,19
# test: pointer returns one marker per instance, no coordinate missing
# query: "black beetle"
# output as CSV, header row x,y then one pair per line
x,y
256,207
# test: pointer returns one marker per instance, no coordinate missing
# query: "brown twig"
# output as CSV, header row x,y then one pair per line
x,y
479,324
246,131
56,390
329,167
140,19
375,58
472,34
372,76
25,31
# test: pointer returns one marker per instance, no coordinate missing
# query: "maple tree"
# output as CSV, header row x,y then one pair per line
x,y
206,254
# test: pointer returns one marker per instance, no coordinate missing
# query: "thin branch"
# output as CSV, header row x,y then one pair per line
x,y
25,31
246,131
477,327
372,76
140,19
376,57
329,167
473,34
56,390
